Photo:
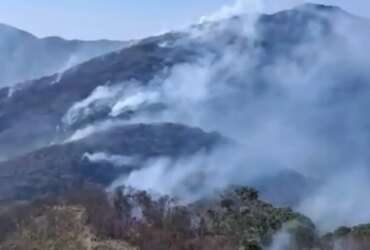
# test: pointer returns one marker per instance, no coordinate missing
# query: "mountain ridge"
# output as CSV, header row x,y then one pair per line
x,y
33,57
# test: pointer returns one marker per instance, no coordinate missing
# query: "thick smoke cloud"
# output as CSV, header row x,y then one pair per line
x,y
341,200
292,95
301,111
294,100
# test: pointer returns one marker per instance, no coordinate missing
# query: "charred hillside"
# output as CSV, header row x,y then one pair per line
x,y
58,168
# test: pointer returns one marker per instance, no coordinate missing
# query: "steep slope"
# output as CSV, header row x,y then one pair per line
x,y
25,56
100,158
43,105
291,89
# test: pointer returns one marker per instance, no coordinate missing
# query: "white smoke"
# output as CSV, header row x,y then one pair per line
x,y
72,61
281,241
114,160
104,125
110,101
92,129
293,111
239,7
340,201
192,178
134,101
182,179
288,127
101,97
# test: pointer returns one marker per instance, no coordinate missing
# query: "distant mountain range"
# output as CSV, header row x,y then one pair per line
x,y
25,56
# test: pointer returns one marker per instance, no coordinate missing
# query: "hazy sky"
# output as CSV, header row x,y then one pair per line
x,y
125,19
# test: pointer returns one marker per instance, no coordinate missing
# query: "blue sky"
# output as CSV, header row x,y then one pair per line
x,y
125,19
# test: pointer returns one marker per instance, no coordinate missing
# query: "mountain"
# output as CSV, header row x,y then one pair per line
x,y
139,62
99,158
149,82
45,104
277,102
25,56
